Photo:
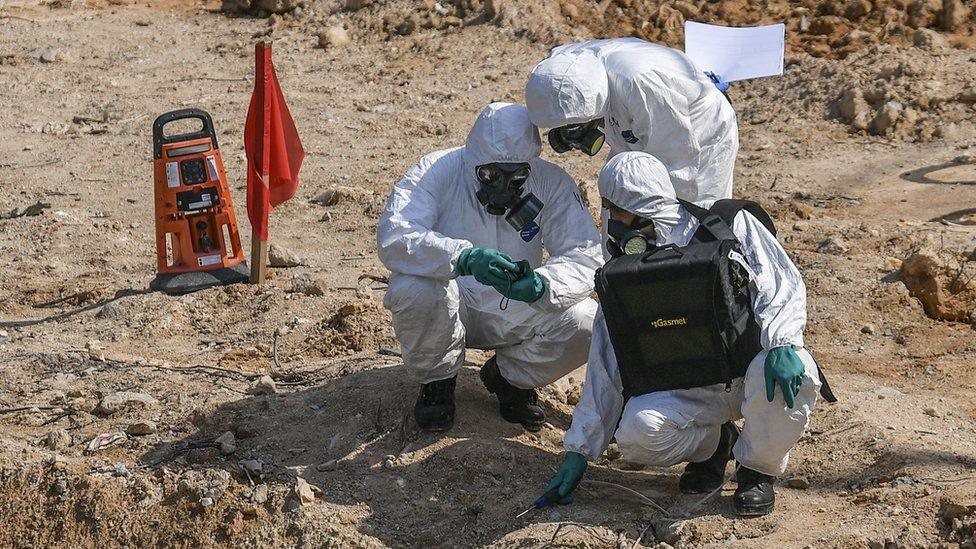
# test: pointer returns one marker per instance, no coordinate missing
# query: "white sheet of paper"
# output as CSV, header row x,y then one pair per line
x,y
736,53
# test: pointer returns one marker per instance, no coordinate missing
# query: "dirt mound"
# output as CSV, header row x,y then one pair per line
x,y
901,93
944,282
832,28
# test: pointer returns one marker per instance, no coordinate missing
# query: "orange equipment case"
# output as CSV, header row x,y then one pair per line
x,y
197,241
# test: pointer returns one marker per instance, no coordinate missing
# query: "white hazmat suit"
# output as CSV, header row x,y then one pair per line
x,y
669,427
433,214
652,99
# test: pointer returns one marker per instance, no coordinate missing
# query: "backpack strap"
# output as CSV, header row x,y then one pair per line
x,y
728,208
710,221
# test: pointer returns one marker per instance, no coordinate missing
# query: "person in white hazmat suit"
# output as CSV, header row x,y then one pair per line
x,y
465,247
638,96
694,426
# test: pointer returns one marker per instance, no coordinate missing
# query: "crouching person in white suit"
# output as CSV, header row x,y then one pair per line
x,y
775,391
464,234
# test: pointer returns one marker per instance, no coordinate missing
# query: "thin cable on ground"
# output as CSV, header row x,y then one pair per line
x,y
646,499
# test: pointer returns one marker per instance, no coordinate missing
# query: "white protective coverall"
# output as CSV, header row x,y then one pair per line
x,y
652,99
433,214
669,427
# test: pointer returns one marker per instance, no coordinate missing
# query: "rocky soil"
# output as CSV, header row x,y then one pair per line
x,y
280,415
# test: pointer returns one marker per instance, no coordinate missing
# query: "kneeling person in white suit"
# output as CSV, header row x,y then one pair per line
x,y
694,425
463,233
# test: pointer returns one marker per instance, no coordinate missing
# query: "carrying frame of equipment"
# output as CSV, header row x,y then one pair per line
x,y
682,317
197,241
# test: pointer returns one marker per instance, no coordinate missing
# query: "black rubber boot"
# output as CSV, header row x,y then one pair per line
x,y
705,476
754,497
516,405
434,410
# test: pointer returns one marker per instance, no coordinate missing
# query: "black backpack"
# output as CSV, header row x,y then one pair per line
x,y
681,317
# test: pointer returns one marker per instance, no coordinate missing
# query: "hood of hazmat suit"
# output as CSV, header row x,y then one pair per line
x,y
652,99
639,184
432,213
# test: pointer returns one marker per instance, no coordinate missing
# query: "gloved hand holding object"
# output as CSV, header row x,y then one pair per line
x,y
783,366
489,266
568,477
526,285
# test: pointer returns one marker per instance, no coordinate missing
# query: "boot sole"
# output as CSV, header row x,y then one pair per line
x,y
753,510
528,426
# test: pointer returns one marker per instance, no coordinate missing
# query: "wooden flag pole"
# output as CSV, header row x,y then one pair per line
x,y
259,248
259,258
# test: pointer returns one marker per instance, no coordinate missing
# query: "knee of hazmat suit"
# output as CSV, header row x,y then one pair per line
x,y
433,212
638,183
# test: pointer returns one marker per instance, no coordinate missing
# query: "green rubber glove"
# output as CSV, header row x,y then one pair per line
x,y
529,286
783,366
489,266
568,476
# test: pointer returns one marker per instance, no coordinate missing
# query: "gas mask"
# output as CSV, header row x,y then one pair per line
x,y
628,239
500,191
587,137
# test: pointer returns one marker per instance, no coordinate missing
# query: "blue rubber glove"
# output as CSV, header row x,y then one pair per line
x,y
568,476
722,86
489,266
528,287
783,366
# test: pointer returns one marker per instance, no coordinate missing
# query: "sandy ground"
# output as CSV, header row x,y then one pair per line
x,y
892,462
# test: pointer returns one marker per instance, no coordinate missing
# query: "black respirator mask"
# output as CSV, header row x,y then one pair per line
x,y
628,239
587,137
500,191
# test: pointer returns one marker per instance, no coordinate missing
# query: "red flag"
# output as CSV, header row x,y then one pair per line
x,y
274,151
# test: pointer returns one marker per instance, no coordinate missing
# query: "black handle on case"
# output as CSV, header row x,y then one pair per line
x,y
159,138
672,247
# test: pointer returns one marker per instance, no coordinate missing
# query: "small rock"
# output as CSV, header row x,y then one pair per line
x,y
886,392
687,9
252,466
228,444
263,386
122,400
326,217
330,465
876,544
407,26
613,452
141,428
260,494
799,483
279,256
930,40
932,412
886,118
954,15
353,5
569,10
303,493
832,245
856,9
305,284
342,194
57,440
868,329
334,37
854,109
